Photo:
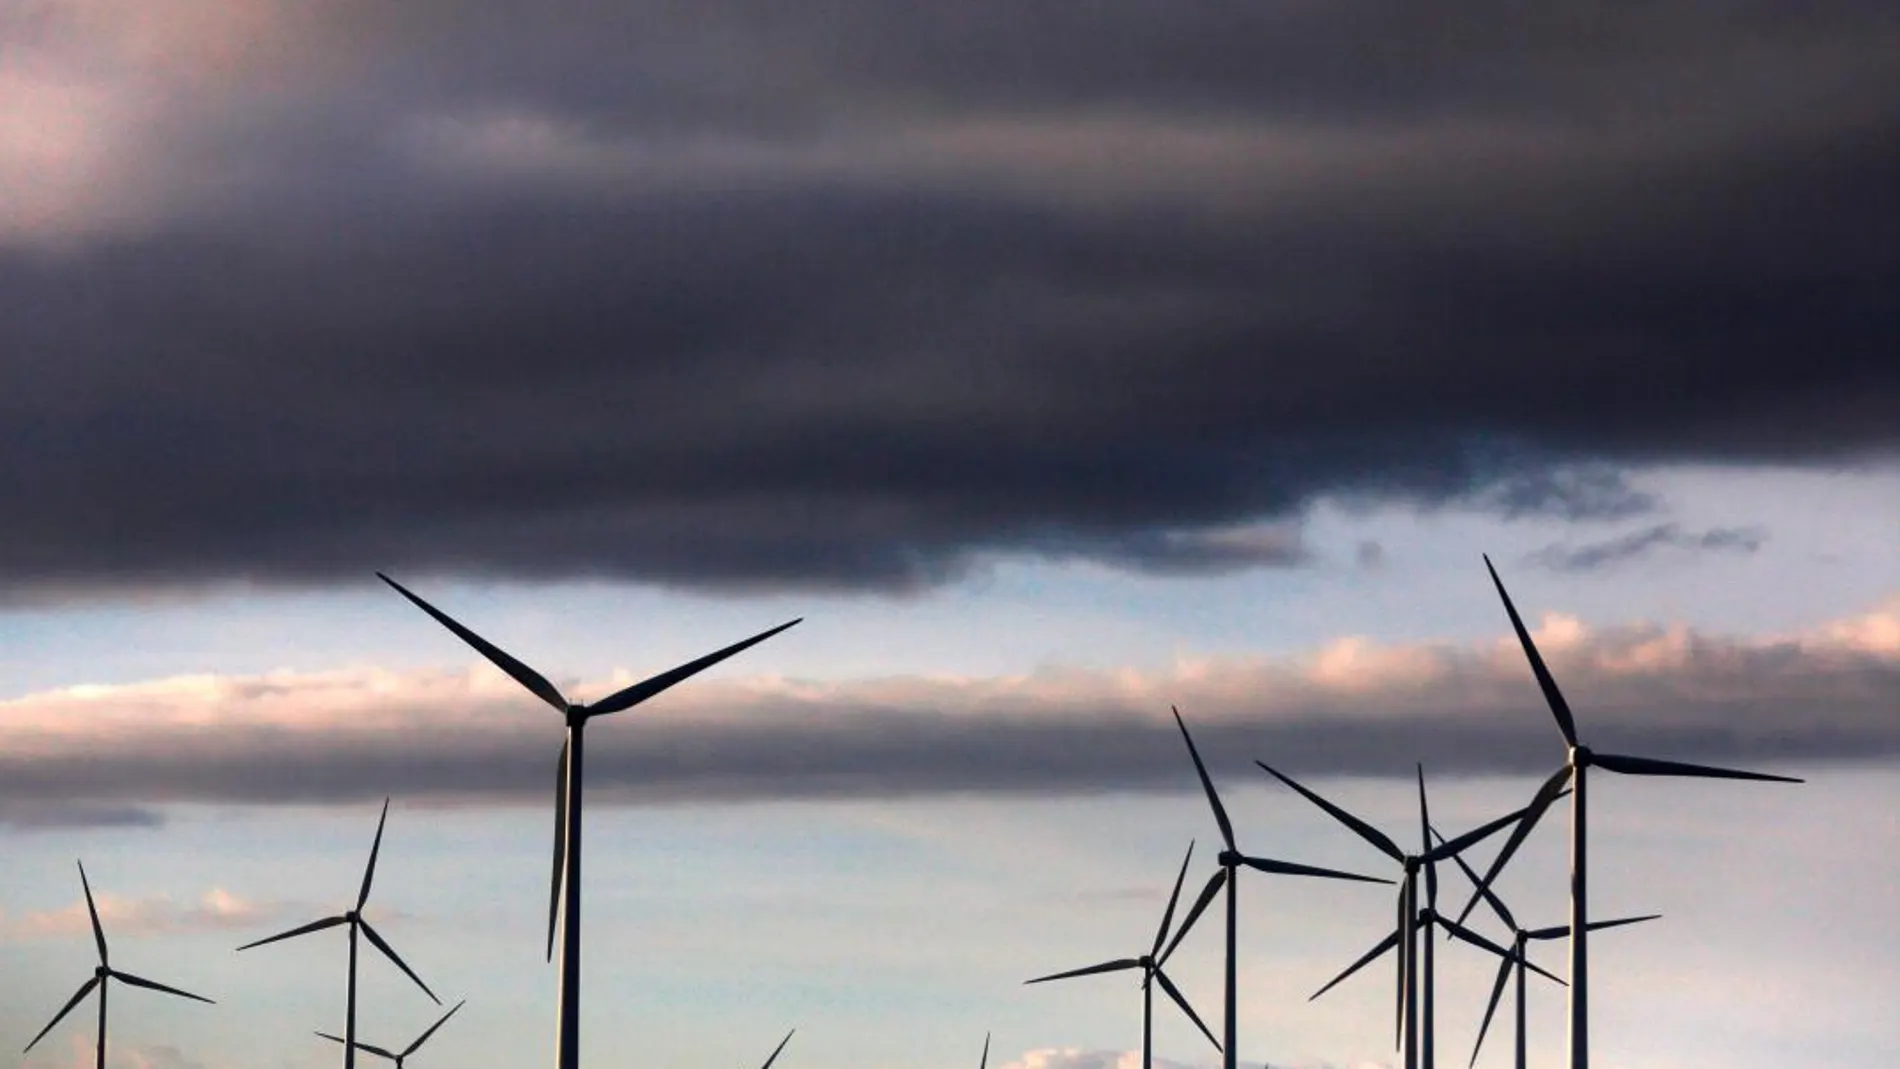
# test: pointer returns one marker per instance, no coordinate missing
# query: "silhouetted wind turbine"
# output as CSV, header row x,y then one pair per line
x,y
100,974
1230,861
775,1050
564,898
398,1056
1150,966
1411,917
984,1062
357,922
1520,938
1579,760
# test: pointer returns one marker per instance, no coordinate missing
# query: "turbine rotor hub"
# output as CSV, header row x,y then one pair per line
x,y
1580,756
1229,859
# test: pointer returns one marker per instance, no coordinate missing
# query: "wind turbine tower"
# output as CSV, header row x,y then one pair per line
x,y
564,894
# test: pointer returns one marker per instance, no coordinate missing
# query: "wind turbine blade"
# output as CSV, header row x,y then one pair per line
x,y
1649,766
1481,832
560,848
1554,697
1620,921
362,1046
775,1050
1365,959
645,689
1476,940
521,673
1167,917
1497,904
1194,912
1377,838
140,981
1108,966
1213,799
440,1021
1425,844
98,932
391,955
985,1061
1289,868
1497,992
313,926
1180,1000
1560,931
84,990
1546,794
369,870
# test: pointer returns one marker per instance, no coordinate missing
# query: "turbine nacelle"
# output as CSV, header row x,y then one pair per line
x,y
1580,756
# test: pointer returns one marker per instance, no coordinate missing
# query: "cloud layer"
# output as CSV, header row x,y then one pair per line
x,y
854,299
1351,707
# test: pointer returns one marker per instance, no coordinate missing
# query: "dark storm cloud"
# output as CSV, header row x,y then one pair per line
x,y
856,295
1591,556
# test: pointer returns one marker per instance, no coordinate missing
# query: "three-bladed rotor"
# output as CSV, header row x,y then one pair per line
x,y
399,1056
101,973
1578,756
575,714
354,916
1150,963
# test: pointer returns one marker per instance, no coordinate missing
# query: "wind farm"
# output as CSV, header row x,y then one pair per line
x,y
969,529
1411,940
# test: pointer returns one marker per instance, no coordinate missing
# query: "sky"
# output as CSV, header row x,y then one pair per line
x,y
1055,367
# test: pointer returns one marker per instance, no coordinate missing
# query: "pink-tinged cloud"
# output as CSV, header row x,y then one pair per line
x,y
1350,706
216,910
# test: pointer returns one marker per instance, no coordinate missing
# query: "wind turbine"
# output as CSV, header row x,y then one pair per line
x,y
357,922
1150,966
564,896
1578,761
1411,917
984,1062
100,974
398,1056
1228,874
1520,938
775,1050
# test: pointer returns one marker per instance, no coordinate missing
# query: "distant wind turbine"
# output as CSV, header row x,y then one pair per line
x,y
1520,939
357,922
984,1062
1579,760
1228,874
100,974
1411,916
404,1053
1150,966
564,897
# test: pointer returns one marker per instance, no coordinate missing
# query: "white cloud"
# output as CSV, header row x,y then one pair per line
x,y
215,910
358,733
